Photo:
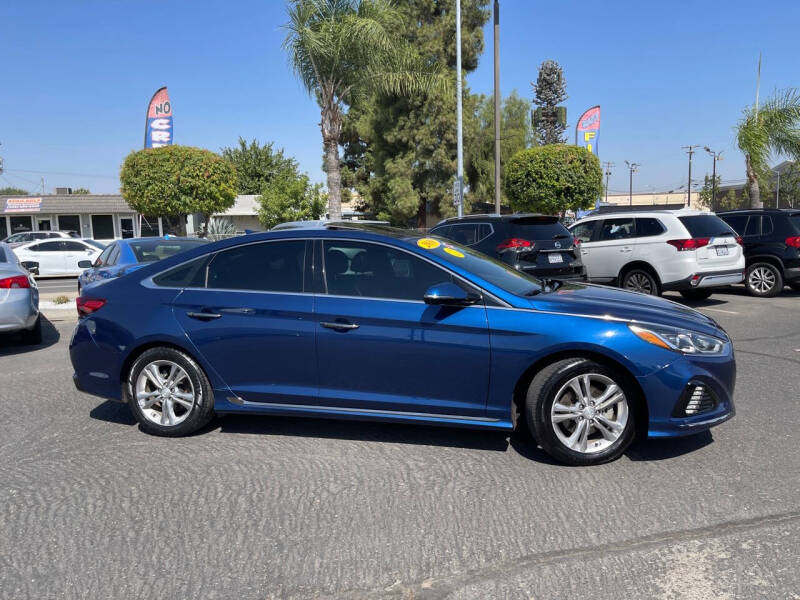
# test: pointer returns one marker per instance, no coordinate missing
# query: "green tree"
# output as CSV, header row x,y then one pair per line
x,y
343,49
290,197
553,179
175,181
549,91
256,164
765,131
12,191
705,196
515,133
81,191
400,150
790,186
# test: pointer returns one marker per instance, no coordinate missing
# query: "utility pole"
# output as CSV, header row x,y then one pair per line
x,y
497,106
690,150
460,183
778,192
607,166
716,156
633,168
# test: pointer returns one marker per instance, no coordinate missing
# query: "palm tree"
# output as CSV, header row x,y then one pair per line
x,y
340,49
772,129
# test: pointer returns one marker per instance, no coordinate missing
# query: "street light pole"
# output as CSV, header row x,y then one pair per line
x,y
608,166
633,168
459,111
715,156
497,106
690,151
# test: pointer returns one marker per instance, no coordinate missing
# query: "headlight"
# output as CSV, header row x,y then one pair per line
x,y
679,340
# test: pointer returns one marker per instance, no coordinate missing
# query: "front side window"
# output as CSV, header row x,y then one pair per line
x,y
378,271
583,231
74,246
47,247
264,267
617,229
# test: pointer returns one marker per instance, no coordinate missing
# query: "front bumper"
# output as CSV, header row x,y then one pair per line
x,y
664,391
706,279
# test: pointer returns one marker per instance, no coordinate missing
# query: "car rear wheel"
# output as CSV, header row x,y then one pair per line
x,y
168,393
764,280
581,412
696,294
640,280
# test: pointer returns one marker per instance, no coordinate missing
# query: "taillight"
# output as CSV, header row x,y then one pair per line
x,y
18,281
87,306
690,244
739,240
793,241
514,243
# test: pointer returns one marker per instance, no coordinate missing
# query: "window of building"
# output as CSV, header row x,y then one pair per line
x,y
126,227
377,271
103,227
266,267
69,223
19,224
149,227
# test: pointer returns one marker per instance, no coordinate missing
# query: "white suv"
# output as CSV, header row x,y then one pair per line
x,y
656,251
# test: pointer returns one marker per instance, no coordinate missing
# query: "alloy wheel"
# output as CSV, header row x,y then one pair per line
x,y
639,282
761,279
589,413
165,393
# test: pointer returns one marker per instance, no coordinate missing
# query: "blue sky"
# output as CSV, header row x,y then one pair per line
x,y
76,78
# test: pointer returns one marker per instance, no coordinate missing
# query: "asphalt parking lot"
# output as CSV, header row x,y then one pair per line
x,y
258,507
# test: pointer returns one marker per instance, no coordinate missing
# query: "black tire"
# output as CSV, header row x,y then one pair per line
x,y
696,294
640,280
202,410
33,336
539,402
763,280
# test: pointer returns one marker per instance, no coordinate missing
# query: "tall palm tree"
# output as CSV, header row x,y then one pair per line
x,y
340,49
772,129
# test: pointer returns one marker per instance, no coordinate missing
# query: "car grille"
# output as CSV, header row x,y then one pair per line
x,y
696,399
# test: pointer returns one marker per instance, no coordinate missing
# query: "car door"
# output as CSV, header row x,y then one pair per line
x,y
584,232
75,251
611,247
49,256
253,321
381,348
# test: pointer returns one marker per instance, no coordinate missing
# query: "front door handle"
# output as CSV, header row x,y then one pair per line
x,y
340,326
625,249
203,315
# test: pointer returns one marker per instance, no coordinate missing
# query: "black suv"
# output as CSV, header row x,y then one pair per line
x,y
536,244
771,248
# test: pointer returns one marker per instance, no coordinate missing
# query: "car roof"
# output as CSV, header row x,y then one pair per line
x,y
684,212
772,211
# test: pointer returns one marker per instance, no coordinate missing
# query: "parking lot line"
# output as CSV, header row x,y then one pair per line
x,y
727,312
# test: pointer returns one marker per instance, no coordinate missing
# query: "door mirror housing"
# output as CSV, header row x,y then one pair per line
x,y
31,267
450,294
84,264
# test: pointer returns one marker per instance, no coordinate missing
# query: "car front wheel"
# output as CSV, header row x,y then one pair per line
x,y
168,393
581,412
764,280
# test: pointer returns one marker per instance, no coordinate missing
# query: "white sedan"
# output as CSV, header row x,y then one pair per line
x,y
59,257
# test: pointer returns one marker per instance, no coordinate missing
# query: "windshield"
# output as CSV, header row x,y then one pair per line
x,y
489,269
703,226
153,250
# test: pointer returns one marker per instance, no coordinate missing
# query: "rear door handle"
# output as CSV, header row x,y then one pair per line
x,y
340,326
203,315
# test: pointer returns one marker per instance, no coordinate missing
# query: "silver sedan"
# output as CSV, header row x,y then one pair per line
x,y
19,298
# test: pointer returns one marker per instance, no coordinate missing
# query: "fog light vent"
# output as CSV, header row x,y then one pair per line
x,y
696,399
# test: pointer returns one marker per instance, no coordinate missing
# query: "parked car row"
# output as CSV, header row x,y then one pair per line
x,y
651,252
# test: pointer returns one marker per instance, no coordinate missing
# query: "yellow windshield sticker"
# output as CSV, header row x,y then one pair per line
x,y
454,252
428,243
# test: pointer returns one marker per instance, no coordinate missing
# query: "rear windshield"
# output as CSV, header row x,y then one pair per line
x,y
701,226
538,228
794,221
153,250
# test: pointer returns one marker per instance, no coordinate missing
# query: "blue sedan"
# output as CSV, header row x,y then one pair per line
x,y
368,322
125,256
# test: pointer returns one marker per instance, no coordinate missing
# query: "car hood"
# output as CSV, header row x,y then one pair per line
x,y
600,301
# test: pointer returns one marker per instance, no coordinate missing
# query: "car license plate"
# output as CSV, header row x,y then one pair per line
x,y
555,258
722,251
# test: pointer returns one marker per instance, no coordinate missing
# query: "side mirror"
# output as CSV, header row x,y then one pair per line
x,y
31,267
84,264
450,294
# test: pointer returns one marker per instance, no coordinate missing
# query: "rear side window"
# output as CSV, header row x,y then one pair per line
x,y
737,222
191,274
704,226
47,247
469,233
648,226
753,226
264,267
538,228
794,222
617,229
766,225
